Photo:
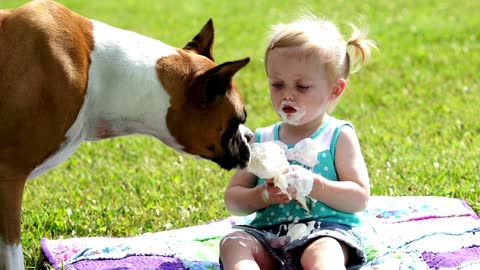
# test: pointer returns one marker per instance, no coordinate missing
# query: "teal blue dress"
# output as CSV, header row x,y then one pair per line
x,y
325,140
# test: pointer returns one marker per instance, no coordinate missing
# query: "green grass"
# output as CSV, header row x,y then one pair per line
x,y
415,107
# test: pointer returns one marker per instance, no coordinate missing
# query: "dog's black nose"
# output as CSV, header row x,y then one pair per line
x,y
246,132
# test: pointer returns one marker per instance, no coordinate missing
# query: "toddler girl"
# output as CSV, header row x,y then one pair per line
x,y
307,63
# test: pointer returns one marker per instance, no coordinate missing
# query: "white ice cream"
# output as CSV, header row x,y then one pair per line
x,y
299,230
268,160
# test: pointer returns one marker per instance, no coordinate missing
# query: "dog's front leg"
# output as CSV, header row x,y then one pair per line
x,y
11,192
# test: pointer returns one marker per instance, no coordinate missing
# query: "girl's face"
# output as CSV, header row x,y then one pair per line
x,y
299,86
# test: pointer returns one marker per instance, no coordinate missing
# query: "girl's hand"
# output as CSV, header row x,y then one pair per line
x,y
300,179
273,194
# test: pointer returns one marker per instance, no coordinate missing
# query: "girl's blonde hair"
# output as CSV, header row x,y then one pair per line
x,y
313,37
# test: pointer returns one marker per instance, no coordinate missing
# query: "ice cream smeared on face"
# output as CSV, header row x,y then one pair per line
x,y
290,112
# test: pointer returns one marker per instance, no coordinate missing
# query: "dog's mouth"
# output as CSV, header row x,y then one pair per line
x,y
237,159
237,150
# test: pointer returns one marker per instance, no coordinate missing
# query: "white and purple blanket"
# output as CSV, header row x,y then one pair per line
x,y
399,232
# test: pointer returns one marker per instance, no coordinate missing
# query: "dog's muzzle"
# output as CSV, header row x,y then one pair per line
x,y
237,150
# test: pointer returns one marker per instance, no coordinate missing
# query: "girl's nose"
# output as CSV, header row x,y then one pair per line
x,y
288,97
288,94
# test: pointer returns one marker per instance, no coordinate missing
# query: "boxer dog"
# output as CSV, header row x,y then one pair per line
x,y
65,79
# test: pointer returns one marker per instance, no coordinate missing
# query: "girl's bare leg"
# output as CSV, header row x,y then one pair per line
x,y
240,250
325,253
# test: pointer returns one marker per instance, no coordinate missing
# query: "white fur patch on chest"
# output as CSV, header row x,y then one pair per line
x,y
124,94
124,90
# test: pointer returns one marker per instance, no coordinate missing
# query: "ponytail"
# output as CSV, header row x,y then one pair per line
x,y
361,50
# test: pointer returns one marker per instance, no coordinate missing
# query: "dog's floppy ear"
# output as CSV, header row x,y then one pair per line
x,y
219,79
202,43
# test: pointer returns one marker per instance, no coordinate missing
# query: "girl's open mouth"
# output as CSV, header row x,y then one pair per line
x,y
289,109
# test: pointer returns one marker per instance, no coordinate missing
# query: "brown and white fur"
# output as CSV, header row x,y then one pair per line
x,y
65,79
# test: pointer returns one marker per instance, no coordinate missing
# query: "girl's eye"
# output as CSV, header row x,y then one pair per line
x,y
277,85
303,87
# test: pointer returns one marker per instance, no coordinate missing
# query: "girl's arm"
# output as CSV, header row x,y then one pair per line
x,y
242,196
351,193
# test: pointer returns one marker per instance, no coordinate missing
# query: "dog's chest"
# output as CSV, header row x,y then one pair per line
x,y
74,136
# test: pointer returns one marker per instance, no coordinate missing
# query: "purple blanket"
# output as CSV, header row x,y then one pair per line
x,y
399,232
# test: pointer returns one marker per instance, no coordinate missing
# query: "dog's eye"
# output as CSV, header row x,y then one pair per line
x,y
211,148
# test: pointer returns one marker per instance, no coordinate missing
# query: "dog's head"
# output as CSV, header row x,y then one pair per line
x,y
206,113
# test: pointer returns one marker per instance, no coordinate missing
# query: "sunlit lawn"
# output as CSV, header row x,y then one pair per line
x,y
415,108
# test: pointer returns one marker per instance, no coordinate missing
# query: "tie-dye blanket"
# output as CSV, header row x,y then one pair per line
x,y
400,233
